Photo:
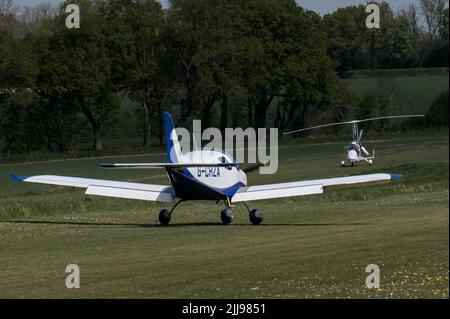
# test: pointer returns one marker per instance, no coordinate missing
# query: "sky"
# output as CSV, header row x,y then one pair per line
x,y
327,6
320,6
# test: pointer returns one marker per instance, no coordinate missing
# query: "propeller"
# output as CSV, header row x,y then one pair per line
x,y
254,167
363,149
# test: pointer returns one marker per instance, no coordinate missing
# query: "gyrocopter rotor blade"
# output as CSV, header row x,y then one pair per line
x,y
353,122
387,117
315,127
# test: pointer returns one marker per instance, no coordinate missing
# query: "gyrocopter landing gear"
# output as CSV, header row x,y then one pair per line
x,y
370,162
226,215
343,164
255,215
165,214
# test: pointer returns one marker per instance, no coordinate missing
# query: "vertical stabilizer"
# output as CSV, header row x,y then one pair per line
x,y
173,148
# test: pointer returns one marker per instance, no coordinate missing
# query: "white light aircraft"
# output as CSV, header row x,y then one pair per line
x,y
200,175
356,151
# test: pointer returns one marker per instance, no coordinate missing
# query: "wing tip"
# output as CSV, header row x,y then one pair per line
x,y
395,176
15,177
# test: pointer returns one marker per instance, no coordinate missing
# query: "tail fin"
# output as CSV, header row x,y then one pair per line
x,y
173,148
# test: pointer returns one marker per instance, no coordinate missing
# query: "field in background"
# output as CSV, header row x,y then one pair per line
x,y
308,247
415,92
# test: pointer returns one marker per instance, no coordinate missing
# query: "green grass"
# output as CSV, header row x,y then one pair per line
x,y
308,247
397,72
418,92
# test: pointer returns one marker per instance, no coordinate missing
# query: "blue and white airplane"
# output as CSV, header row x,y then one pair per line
x,y
200,175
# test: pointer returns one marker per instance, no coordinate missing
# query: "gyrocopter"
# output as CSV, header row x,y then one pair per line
x,y
356,152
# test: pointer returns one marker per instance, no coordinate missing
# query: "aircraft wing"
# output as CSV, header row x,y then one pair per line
x,y
308,187
99,187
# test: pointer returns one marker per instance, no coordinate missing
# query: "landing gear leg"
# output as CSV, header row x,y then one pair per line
x,y
165,215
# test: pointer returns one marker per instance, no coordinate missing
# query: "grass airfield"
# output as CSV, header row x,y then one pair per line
x,y
308,247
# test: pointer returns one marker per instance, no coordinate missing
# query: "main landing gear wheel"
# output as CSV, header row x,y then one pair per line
x,y
256,216
165,214
164,217
343,163
370,162
227,216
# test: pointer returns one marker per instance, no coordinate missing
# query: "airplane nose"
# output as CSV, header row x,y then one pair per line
x,y
352,155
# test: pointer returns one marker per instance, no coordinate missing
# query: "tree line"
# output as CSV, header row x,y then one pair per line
x,y
252,63
416,36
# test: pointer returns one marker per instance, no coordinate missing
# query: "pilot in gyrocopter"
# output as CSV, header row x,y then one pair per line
x,y
354,151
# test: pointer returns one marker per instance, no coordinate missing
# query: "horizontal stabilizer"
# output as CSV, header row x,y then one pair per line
x,y
165,165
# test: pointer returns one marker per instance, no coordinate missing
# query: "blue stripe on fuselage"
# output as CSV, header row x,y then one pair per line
x,y
229,191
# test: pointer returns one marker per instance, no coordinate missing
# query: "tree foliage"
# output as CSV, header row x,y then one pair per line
x,y
252,63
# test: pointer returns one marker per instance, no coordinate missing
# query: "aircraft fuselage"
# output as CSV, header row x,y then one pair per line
x,y
207,183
